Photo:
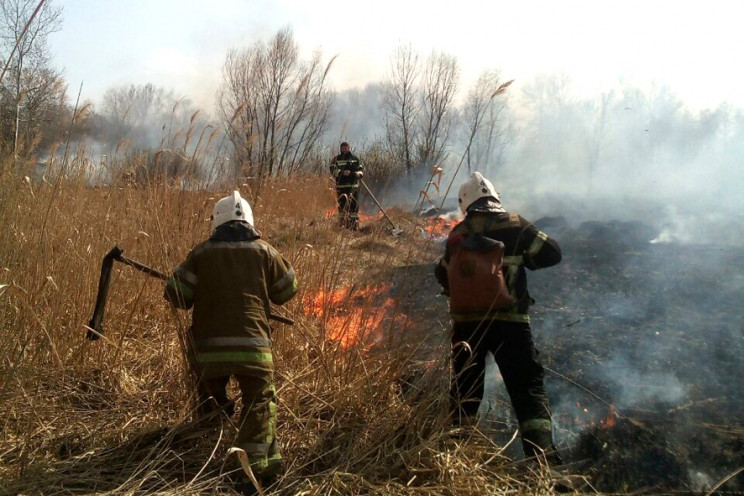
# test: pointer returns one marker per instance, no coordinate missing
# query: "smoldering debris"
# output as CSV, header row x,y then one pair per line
x,y
630,451
642,344
654,331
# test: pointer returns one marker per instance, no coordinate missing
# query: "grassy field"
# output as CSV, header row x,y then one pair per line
x,y
361,400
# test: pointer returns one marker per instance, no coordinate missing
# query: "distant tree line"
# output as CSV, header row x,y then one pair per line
x,y
276,115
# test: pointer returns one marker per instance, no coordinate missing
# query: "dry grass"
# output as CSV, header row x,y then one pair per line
x,y
115,416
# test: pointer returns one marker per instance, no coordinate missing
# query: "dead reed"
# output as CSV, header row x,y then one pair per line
x,y
115,416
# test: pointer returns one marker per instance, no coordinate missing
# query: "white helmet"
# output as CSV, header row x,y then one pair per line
x,y
474,188
231,208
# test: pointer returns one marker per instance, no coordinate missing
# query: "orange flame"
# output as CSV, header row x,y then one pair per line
x,y
439,227
609,421
587,418
368,218
354,316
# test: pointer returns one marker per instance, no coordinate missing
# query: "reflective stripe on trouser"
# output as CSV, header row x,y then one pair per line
x,y
257,426
536,433
537,439
535,424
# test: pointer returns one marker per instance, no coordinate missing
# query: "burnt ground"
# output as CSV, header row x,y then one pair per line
x,y
642,343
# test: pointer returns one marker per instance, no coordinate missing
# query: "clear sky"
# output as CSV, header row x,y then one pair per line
x,y
694,47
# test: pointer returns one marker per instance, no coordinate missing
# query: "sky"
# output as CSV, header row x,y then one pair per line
x,y
181,44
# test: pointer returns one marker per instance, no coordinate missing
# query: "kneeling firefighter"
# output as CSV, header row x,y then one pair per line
x,y
229,280
483,272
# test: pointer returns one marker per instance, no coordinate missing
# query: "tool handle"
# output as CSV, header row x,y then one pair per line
x,y
282,319
378,203
142,268
96,322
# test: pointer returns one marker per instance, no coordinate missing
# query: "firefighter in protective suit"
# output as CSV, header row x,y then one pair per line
x,y
498,323
229,280
347,170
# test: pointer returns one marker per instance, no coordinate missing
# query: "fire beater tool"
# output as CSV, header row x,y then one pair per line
x,y
116,254
396,230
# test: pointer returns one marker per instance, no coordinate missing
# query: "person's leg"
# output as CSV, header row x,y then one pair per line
x,y
468,369
342,201
353,221
213,395
257,426
523,376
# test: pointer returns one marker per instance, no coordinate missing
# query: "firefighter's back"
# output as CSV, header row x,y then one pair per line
x,y
233,288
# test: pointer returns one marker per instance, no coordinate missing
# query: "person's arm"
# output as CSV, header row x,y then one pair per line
x,y
180,288
440,272
334,168
359,172
283,283
540,250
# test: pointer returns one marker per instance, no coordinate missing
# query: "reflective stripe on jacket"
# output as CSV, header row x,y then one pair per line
x,y
348,162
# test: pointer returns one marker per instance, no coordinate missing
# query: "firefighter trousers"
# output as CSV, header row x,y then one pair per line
x,y
257,424
513,348
348,207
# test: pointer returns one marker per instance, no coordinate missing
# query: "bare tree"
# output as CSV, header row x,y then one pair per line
x,y
494,139
310,107
31,90
555,125
480,105
273,105
480,116
402,103
150,126
440,81
145,115
237,107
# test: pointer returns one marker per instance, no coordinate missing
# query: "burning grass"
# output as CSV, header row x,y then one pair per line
x,y
350,317
363,375
115,416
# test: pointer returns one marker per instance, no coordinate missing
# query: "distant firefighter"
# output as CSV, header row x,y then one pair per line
x,y
482,271
230,280
347,170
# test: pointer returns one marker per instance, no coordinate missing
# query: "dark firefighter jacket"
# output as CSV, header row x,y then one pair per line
x,y
230,280
351,163
525,246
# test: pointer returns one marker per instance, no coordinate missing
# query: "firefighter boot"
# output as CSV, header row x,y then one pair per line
x,y
245,487
538,443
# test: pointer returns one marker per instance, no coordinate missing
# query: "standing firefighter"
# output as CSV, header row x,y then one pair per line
x,y
229,280
347,170
483,273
